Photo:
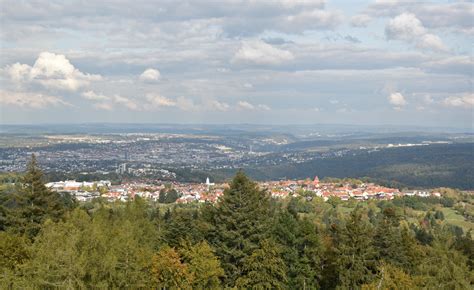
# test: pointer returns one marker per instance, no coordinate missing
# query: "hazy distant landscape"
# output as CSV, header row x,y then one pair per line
x,y
392,156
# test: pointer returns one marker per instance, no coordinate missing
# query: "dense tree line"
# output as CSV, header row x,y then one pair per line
x,y
246,240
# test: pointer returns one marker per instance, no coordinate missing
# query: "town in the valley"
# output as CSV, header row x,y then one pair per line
x,y
210,192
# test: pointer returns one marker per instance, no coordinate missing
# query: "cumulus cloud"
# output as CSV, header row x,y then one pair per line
x,y
407,27
311,20
246,106
451,15
431,41
397,100
30,100
463,101
158,101
91,95
217,106
18,72
150,75
52,71
128,103
259,52
108,103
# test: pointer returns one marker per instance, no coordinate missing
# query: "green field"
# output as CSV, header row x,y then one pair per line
x,y
452,217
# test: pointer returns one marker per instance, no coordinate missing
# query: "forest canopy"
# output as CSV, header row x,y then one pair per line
x,y
245,240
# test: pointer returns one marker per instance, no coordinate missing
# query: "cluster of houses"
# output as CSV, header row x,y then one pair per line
x,y
83,191
210,192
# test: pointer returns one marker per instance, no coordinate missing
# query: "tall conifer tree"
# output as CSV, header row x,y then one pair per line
x,y
240,220
34,203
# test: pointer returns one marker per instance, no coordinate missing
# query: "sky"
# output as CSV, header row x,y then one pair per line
x,y
237,61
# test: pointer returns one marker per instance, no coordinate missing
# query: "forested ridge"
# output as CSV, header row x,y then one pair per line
x,y
437,165
245,240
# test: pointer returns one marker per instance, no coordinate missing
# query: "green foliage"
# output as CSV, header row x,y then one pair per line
x,y
184,224
32,203
355,256
240,220
444,267
441,165
203,264
246,240
391,277
301,250
264,269
168,195
14,253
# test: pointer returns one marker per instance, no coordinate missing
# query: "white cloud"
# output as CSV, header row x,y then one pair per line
x,y
30,100
404,27
90,95
52,71
407,27
18,72
159,101
186,104
128,103
150,75
310,20
104,106
259,52
397,100
455,16
427,99
245,105
361,20
108,103
263,107
218,106
431,41
463,101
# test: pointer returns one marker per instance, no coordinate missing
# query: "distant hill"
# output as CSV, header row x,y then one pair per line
x,y
450,165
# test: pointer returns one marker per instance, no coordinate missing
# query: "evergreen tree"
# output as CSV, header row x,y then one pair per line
x,y
240,220
309,264
394,244
184,225
444,267
285,232
34,203
264,269
355,261
203,264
